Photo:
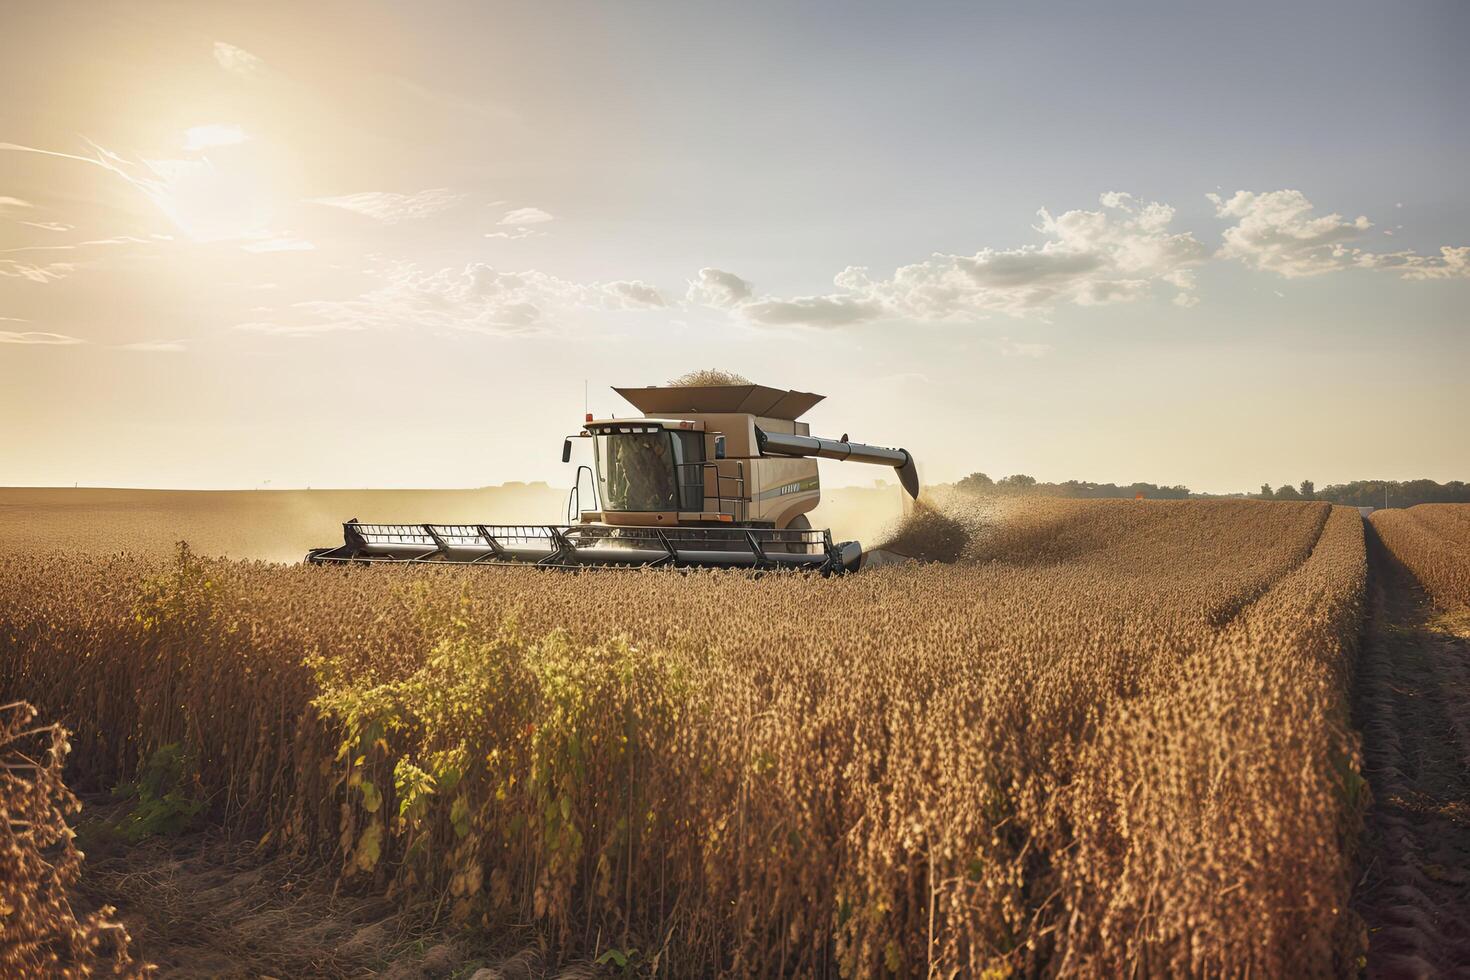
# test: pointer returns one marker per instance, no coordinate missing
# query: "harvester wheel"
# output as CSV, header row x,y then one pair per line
x,y
798,523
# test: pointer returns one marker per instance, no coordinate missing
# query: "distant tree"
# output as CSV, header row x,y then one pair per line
x,y
975,483
1266,493
1287,492
1309,491
1369,493
1018,481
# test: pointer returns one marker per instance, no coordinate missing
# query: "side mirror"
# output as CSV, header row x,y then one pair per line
x,y
566,450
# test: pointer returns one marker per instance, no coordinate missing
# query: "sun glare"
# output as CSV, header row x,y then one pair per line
x,y
210,202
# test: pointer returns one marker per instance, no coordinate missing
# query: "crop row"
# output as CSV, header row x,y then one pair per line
x,y
1113,735
1433,542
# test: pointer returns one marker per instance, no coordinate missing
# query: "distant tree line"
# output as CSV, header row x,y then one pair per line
x,y
1359,493
1370,493
1021,484
1307,491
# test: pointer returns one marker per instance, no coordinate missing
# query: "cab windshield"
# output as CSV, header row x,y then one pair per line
x,y
639,468
636,469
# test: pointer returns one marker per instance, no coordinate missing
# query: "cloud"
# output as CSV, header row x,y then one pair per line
x,y
526,216
238,60
390,208
812,311
13,203
634,295
116,240
519,233
300,328
1091,258
719,289
49,225
1276,231
51,272
1279,231
213,134
1118,254
1451,263
155,346
38,337
476,298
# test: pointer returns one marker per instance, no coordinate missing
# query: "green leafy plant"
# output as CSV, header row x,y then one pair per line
x,y
163,804
625,960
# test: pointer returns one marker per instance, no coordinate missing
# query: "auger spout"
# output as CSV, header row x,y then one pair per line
x,y
781,444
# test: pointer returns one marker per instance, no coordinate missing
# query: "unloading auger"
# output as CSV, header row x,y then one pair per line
x,y
718,476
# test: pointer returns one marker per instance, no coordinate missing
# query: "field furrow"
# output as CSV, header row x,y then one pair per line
x,y
1413,706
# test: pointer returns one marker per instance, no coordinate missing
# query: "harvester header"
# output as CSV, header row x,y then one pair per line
x,y
710,475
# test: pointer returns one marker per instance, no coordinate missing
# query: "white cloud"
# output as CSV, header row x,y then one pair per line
x,y
526,216
390,208
297,328
13,203
719,289
155,346
634,295
117,240
238,60
1451,263
476,298
213,134
1278,231
516,235
835,310
38,337
1114,255
49,225
51,272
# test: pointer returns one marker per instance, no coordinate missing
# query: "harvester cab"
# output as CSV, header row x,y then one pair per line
x,y
709,476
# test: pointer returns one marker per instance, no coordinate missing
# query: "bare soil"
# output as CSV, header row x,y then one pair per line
x,y
1412,704
206,905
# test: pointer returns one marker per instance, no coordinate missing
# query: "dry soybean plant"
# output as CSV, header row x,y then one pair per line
x,y
1111,736
39,933
1433,542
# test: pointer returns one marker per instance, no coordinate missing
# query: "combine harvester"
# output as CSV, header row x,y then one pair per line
x,y
712,476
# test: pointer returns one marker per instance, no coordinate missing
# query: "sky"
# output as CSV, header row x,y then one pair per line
x,y
378,245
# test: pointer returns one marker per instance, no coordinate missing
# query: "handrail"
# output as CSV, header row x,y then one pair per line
x,y
573,513
739,505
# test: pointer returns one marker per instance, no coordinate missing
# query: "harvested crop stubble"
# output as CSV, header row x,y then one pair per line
x,y
1113,735
39,934
1433,542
